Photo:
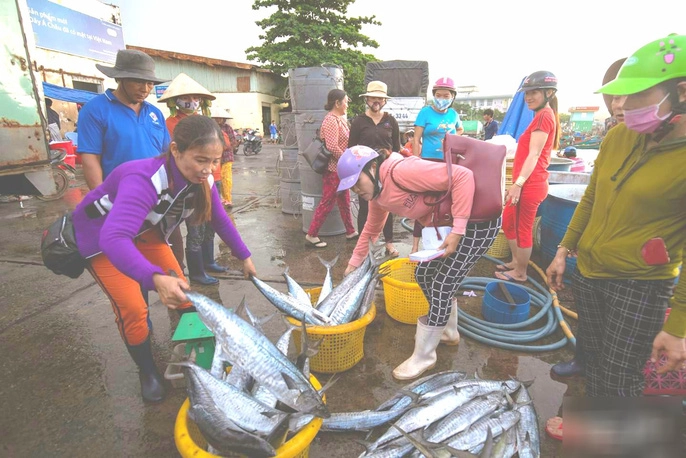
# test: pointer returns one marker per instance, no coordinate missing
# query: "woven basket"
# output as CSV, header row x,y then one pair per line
x,y
500,248
191,444
343,345
671,383
405,301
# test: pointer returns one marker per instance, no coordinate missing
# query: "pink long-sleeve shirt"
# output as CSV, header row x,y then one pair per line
x,y
421,176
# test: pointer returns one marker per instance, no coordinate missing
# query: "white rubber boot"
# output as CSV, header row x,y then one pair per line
x,y
424,357
451,336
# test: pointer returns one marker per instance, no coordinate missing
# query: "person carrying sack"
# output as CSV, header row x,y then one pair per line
x,y
122,228
368,173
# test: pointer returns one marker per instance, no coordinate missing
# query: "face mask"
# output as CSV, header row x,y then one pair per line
x,y
442,104
188,106
645,120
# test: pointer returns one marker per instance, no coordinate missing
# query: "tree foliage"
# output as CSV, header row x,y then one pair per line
x,y
308,33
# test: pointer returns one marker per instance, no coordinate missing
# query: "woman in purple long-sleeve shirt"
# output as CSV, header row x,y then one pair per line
x,y
123,225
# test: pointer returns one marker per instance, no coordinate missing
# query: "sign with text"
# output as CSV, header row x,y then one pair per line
x,y
62,29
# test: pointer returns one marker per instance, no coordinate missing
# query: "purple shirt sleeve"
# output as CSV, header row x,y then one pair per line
x,y
223,226
135,198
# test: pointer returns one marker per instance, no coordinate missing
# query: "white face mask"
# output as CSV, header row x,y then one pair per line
x,y
188,105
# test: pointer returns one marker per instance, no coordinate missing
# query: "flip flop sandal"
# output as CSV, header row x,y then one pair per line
x,y
553,428
392,253
318,244
502,268
352,236
508,277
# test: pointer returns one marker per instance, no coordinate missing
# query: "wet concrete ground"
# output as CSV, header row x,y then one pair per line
x,y
69,388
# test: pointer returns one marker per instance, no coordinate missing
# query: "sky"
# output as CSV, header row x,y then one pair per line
x,y
488,44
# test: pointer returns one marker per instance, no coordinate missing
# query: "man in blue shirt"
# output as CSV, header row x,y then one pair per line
x,y
491,125
119,125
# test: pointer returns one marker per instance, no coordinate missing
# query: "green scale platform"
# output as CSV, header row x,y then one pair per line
x,y
197,337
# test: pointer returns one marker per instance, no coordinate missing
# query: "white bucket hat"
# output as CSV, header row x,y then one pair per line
x,y
184,85
376,89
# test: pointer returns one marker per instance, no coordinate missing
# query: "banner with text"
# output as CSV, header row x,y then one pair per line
x,y
58,28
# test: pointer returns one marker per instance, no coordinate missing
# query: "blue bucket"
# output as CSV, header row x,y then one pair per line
x,y
496,309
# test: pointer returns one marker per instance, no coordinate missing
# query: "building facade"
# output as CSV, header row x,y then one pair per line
x,y
481,102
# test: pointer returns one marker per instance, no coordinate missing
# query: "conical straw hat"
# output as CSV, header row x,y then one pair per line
x,y
184,85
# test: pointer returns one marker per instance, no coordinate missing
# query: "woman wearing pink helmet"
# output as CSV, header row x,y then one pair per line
x,y
396,185
433,123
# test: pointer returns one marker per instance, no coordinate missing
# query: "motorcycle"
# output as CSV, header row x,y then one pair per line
x,y
252,142
62,173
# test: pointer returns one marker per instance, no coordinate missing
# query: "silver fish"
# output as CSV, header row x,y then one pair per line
x,y
350,304
225,437
259,391
463,417
506,445
528,426
250,415
429,411
327,286
422,386
295,290
252,351
360,421
290,305
474,438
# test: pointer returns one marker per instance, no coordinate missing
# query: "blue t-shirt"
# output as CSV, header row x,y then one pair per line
x,y
436,125
111,129
491,130
272,129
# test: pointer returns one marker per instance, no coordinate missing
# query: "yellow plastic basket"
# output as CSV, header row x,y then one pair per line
x,y
191,444
343,345
405,301
500,248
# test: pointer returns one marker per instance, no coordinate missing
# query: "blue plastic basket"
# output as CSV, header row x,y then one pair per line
x,y
496,309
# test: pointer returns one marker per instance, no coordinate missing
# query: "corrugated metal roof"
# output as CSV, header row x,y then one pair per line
x,y
170,55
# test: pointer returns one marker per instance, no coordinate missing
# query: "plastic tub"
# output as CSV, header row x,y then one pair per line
x,y
191,444
496,309
560,164
343,345
405,301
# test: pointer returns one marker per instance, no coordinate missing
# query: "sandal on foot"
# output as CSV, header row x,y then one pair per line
x,y
503,268
352,236
392,253
553,427
507,277
315,242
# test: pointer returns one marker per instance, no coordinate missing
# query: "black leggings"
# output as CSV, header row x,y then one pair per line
x,y
362,218
440,278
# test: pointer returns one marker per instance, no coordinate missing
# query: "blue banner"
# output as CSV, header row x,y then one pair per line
x,y
58,28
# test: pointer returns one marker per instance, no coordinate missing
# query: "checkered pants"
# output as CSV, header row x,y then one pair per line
x,y
440,278
618,321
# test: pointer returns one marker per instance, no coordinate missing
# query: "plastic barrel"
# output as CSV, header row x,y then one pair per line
x,y
307,125
289,193
310,181
556,213
496,309
333,225
310,86
287,166
288,130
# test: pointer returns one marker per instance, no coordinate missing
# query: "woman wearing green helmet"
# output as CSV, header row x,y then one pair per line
x,y
629,230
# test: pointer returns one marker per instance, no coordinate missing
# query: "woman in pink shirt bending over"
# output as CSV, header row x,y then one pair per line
x,y
386,184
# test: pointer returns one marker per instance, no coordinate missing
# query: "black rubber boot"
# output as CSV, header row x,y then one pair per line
x,y
208,258
573,367
152,384
196,269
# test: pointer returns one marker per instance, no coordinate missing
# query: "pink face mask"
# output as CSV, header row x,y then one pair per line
x,y
645,120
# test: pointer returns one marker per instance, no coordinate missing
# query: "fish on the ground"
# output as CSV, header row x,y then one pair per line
x,y
528,439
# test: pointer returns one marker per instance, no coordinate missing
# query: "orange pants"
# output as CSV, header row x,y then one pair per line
x,y
130,310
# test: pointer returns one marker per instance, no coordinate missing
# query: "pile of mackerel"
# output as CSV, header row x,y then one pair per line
x,y
350,300
448,415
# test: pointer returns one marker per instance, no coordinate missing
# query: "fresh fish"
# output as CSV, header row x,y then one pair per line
x,y
360,421
238,377
225,437
219,362
347,308
329,303
252,351
369,294
248,414
528,426
463,417
295,290
259,391
429,411
421,386
290,305
506,445
327,286
473,439
395,449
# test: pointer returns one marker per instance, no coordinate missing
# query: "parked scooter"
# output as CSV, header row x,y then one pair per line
x,y
252,142
62,173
